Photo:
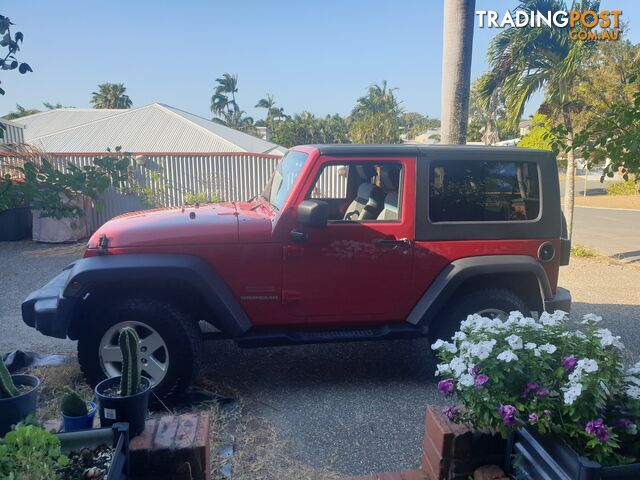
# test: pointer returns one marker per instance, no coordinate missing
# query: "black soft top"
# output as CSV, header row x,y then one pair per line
x,y
414,149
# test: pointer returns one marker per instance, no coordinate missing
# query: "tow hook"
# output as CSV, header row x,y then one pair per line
x,y
103,244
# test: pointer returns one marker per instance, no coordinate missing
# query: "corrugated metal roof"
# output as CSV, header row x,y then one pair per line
x,y
45,123
151,128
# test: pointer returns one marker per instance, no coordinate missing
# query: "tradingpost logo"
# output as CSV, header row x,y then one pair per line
x,y
590,25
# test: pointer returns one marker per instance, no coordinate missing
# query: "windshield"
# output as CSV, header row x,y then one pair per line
x,y
278,188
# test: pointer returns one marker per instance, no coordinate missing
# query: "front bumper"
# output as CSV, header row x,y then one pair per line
x,y
47,309
560,301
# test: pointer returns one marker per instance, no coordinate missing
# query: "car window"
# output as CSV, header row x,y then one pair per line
x,y
483,191
360,192
283,178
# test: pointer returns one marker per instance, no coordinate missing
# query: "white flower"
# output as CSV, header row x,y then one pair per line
x,y
530,345
572,393
443,369
507,356
552,319
515,342
632,429
632,379
459,336
481,350
635,370
575,376
587,365
466,380
591,318
457,366
633,391
440,344
607,338
547,347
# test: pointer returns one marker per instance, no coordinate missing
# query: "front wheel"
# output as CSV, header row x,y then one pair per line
x,y
169,350
488,302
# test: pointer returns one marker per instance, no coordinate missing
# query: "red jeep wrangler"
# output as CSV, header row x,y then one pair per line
x,y
347,242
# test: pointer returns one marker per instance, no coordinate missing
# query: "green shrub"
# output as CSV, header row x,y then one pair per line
x,y
580,251
200,197
624,188
30,453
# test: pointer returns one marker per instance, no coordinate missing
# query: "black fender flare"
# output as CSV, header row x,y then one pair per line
x,y
461,270
92,273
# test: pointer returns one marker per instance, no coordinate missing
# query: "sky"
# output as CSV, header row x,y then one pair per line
x,y
318,56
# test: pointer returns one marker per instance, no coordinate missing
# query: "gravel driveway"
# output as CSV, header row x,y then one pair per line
x,y
356,408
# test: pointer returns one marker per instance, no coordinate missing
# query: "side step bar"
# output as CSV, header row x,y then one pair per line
x,y
270,337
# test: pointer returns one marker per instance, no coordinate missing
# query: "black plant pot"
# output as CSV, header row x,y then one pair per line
x,y
15,224
16,409
547,458
132,410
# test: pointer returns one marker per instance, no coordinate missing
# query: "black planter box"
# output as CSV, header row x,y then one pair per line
x,y
546,458
116,436
15,224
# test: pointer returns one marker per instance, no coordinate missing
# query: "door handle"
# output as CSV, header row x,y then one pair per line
x,y
383,242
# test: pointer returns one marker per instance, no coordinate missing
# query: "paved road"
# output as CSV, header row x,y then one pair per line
x,y
357,408
614,233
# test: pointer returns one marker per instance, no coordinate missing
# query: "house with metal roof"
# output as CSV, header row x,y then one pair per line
x,y
176,153
11,133
152,128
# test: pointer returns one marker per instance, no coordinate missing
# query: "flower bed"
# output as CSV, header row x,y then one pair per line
x,y
544,375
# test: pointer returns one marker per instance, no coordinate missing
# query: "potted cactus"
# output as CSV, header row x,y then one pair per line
x,y
77,414
18,398
125,398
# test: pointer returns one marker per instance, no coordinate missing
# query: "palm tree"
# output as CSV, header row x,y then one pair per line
x,y
110,95
379,99
224,95
526,60
236,119
456,69
273,112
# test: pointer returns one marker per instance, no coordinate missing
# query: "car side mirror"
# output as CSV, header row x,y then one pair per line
x,y
313,213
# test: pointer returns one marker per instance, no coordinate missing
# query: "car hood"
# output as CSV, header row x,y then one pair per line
x,y
188,225
228,222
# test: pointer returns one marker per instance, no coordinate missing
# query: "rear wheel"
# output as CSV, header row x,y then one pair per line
x,y
169,350
488,302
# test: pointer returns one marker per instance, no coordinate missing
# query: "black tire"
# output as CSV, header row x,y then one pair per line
x,y
474,302
180,334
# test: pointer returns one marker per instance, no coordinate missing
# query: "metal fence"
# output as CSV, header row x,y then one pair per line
x,y
169,176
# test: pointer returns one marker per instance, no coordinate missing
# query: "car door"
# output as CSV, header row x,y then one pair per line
x,y
355,271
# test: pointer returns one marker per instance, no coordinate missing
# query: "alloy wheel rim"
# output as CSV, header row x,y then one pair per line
x,y
153,353
493,313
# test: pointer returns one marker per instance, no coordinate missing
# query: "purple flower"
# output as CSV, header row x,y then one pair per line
x,y
450,412
508,414
569,363
542,392
533,418
547,413
598,429
623,423
474,370
531,387
446,386
481,379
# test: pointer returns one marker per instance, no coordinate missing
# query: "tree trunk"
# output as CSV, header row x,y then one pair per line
x,y
570,181
457,39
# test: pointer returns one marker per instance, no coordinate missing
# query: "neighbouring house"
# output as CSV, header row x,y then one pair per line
x,y
524,126
11,132
187,153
